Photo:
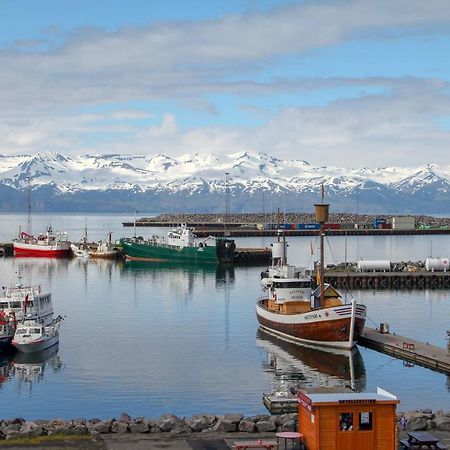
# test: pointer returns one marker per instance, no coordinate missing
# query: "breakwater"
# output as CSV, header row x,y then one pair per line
x,y
170,424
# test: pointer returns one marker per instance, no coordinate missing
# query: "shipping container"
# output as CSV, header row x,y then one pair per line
x,y
332,226
308,226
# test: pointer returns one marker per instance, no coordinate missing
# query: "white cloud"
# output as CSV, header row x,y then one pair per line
x,y
41,92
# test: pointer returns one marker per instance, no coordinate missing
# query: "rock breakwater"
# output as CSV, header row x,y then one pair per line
x,y
171,424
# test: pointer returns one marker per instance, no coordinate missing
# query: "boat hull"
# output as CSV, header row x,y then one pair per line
x,y
36,250
155,252
35,346
325,327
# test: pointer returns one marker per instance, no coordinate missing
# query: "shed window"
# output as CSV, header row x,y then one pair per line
x,y
365,420
346,422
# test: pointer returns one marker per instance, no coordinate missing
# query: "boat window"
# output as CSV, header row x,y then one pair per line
x,y
35,330
3,305
21,331
15,304
292,284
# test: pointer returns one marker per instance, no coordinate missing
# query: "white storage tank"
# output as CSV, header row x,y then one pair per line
x,y
437,264
374,266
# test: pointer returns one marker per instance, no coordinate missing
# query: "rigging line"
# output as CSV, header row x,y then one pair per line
x,y
333,256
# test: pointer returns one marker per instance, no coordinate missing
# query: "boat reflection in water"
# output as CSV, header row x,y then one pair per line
x,y
29,368
295,366
224,273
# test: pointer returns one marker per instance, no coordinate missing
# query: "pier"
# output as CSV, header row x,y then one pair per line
x,y
409,350
389,280
244,230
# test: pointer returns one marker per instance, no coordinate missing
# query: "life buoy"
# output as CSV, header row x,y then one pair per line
x,y
357,283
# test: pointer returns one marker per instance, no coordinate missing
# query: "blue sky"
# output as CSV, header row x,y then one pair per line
x,y
333,82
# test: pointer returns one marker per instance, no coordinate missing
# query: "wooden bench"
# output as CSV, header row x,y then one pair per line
x,y
404,443
243,445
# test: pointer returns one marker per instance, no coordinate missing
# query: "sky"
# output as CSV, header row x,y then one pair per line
x,y
352,83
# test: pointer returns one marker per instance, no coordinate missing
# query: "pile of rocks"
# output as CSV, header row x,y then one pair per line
x,y
168,423
425,419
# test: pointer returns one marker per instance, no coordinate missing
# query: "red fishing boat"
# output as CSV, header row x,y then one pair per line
x,y
293,311
50,244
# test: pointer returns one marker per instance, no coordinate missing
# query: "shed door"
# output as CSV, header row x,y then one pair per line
x,y
356,430
365,429
345,434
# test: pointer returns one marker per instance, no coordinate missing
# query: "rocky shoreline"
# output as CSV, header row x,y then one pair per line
x,y
424,419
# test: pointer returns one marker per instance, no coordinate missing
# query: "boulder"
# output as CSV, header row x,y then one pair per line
x,y
442,421
125,418
288,425
263,426
201,422
119,427
100,427
246,426
225,426
31,429
172,423
417,421
138,427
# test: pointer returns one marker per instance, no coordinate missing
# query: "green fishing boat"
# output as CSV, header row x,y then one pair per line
x,y
180,245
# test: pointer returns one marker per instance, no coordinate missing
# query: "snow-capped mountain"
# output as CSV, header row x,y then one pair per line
x,y
256,182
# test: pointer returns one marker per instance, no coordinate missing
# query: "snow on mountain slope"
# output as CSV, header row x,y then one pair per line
x,y
201,173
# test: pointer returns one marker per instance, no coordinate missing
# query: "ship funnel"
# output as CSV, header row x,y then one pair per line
x,y
321,212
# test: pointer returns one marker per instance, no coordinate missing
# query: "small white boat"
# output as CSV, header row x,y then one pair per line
x,y
22,302
102,249
33,336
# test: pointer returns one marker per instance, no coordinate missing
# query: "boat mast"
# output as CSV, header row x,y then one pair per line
x,y
322,217
29,202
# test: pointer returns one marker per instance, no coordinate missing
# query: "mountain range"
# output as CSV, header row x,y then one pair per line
x,y
199,183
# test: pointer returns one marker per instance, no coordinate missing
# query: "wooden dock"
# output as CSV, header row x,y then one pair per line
x,y
276,404
409,350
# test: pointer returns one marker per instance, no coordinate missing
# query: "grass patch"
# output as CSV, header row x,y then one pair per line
x,y
39,440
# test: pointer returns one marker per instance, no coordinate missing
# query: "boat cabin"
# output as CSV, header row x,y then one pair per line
x,y
181,237
331,296
330,419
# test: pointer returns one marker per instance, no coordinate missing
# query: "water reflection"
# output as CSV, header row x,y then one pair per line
x,y
224,273
29,368
294,365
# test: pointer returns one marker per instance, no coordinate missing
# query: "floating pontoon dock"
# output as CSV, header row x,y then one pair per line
x,y
407,349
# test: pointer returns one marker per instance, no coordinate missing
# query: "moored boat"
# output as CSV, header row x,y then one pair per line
x,y
180,246
19,302
293,311
33,336
49,244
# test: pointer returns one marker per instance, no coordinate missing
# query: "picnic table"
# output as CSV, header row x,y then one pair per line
x,y
421,439
243,445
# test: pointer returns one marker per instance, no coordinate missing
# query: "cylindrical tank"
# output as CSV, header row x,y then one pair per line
x,y
373,266
432,264
277,250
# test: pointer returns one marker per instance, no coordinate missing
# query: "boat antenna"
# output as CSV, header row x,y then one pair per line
x,y
135,218
321,210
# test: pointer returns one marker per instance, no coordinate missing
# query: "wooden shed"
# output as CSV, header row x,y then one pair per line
x,y
335,420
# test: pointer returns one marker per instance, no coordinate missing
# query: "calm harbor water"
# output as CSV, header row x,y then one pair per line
x,y
154,338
